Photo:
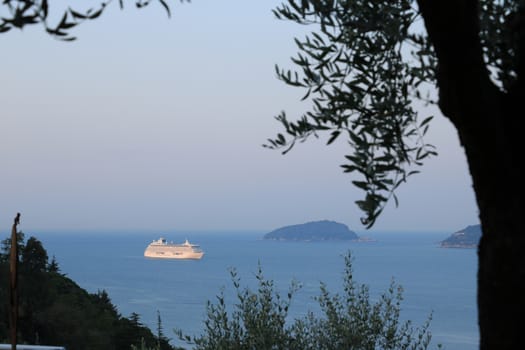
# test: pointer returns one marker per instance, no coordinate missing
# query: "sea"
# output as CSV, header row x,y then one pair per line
x,y
440,282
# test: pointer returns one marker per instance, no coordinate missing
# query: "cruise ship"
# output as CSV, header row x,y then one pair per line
x,y
161,249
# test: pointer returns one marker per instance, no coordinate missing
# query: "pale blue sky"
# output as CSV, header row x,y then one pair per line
x,y
147,122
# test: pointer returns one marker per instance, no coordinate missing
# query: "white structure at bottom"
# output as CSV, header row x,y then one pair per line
x,y
31,347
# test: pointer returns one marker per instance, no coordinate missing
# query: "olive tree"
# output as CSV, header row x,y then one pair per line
x,y
363,66
352,319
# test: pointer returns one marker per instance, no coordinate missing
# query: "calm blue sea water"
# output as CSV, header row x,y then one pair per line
x,y
437,280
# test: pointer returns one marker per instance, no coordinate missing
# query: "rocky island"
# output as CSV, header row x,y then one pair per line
x,y
465,238
324,230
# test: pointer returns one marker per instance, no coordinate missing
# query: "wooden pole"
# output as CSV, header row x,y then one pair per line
x,y
13,281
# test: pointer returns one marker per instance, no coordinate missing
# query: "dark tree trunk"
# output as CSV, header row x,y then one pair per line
x,y
487,122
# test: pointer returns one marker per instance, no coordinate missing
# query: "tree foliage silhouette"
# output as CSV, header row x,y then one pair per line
x,y
23,13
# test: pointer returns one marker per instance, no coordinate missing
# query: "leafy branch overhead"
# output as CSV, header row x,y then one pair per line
x,y
360,69
23,13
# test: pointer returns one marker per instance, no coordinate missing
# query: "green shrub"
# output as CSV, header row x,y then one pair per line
x,y
351,320
354,321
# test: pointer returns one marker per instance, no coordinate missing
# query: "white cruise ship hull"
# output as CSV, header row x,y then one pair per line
x,y
171,254
161,249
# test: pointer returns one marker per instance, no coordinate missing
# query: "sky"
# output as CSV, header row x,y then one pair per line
x,y
155,123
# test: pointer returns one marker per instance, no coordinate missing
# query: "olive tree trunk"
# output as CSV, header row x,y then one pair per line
x,y
487,122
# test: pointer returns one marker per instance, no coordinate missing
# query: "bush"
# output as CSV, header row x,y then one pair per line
x,y
348,321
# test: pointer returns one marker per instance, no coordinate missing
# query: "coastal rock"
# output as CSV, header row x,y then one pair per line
x,y
324,230
465,238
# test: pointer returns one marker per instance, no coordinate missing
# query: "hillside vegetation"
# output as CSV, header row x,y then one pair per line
x,y
54,310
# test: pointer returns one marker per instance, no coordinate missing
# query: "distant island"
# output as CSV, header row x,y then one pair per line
x,y
466,238
324,230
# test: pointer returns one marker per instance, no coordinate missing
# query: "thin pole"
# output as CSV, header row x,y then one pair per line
x,y
13,293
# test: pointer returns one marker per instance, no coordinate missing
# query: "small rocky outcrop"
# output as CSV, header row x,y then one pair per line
x,y
466,238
